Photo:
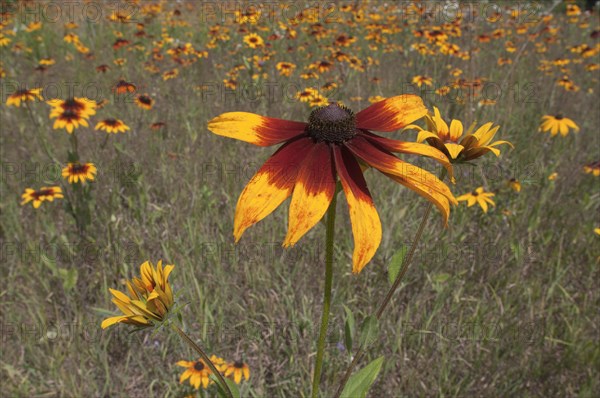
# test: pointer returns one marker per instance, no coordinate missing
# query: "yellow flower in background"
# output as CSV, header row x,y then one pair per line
x,y
112,126
253,40
285,68
83,107
144,101
236,370
24,95
592,168
553,176
448,139
420,80
42,194
557,123
148,300
478,196
597,231
75,172
514,184
197,372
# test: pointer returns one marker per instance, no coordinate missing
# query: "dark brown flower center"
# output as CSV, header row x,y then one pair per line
x,y
199,366
111,122
332,123
79,168
558,117
238,364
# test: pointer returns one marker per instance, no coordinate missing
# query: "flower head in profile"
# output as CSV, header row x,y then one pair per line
x,y
557,123
148,300
236,370
478,196
334,144
24,95
514,184
197,372
40,195
592,168
75,172
144,101
112,126
451,142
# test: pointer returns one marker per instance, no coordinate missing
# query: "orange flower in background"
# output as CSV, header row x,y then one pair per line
x,y
123,87
332,145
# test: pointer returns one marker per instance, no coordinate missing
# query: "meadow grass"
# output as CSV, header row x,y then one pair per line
x,y
497,304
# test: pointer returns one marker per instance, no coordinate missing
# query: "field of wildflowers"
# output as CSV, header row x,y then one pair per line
x,y
275,199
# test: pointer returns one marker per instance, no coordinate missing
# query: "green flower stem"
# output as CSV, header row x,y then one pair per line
x,y
326,295
388,297
205,358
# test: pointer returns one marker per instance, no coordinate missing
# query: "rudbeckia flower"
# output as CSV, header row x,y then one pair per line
x,y
334,144
592,168
478,196
253,40
83,107
112,126
24,95
42,194
557,123
237,369
144,101
75,172
124,87
68,120
514,184
148,299
197,372
448,139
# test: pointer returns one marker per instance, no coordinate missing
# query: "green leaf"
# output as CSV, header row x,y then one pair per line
x,y
235,392
349,329
69,278
441,278
396,263
369,331
359,383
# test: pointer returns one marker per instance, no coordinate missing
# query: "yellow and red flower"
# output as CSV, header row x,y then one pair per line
x,y
75,172
592,168
42,194
24,95
112,126
334,144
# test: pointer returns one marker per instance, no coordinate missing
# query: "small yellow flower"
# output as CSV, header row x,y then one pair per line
x,y
285,68
557,123
478,196
144,101
42,194
197,372
112,126
253,40
24,95
148,299
451,142
553,176
514,184
592,168
420,80
597,231
75,172
236,370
